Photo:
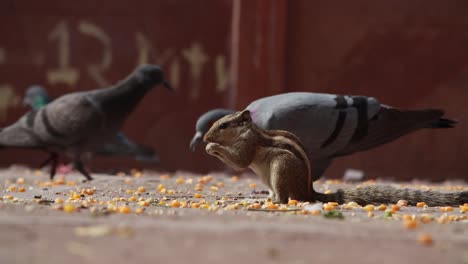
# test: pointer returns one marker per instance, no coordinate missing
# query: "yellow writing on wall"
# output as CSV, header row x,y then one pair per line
x,y
64,73
96,70
222,73
8,99
196,59
192,60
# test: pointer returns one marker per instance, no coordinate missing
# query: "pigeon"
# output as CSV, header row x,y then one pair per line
x,y
36,97
331,125
75,123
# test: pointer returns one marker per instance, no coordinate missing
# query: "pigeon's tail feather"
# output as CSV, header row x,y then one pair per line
x,y
391,123
145,154
443,123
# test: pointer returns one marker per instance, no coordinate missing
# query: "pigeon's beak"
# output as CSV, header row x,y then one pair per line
x,y
196,140
167,85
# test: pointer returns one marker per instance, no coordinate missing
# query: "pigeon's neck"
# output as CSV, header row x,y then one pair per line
x,y
122,98
38,102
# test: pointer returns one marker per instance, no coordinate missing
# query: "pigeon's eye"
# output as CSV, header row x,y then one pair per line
x,y
223,126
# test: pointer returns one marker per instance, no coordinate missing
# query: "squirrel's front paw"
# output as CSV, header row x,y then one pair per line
x,y
211,148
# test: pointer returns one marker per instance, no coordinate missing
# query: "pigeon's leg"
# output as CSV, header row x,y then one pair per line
x,y
52,156
53,159
78,164
53,166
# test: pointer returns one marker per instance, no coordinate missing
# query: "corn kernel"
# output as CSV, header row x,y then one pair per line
x,y
402,203
71,183
443,219
255,206
124,209
421,204
315,212
370,214
175,203
60,181
198,187
464,208
197,195
69,208
90,191
129,191
408,217
21,189
160,187
163,190
165,176
207,178
20,181
395,208
180,181
128,181
195,205
446,209
171,192
425,239
425,218
143,203
328,191
59,200
253,185
12,188
369,207
411,224
214,188
132,199
137,174
8,197
328,207
272,206
382,207
333,204
292,202
234,178
141,189
139,210
122,199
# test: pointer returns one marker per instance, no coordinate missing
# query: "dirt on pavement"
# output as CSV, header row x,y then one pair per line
x,y
189,218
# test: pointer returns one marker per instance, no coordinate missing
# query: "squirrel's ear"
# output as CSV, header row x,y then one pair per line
x,y
246,116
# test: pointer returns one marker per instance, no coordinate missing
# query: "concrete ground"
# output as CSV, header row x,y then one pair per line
x,y
148,217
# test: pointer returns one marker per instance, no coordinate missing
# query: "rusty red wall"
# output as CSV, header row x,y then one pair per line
x,y
410,54
79,45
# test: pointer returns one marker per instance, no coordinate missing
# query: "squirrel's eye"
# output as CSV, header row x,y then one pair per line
x,y
223,126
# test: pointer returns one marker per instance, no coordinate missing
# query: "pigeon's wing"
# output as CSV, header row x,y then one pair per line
x,y
123,147
69,120
20,133
325,123
390,124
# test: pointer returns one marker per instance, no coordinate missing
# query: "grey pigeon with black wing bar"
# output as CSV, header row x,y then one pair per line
x,y
37,96
76,122
331,125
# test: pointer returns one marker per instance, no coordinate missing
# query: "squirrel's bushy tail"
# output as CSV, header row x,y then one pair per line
x,y
386,194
